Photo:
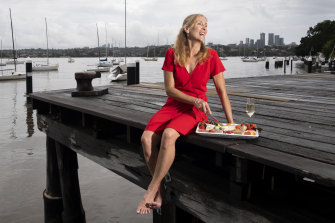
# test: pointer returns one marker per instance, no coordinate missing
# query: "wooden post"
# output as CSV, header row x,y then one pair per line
x,y
131,74
267,64
68,170
29,78
137,80
291,65
52,196
285,66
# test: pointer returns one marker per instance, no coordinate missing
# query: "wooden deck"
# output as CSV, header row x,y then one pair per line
x,y
289,169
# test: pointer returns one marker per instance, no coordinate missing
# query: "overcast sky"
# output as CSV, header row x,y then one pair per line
x,y
72,23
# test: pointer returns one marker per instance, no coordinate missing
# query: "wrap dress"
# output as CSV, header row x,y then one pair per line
x,y
178,115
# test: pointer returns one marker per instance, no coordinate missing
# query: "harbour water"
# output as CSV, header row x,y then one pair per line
x,y
106,196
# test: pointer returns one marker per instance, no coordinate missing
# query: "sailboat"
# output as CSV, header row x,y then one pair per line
x,y
46,67
104,62
9,74
97,67
150,58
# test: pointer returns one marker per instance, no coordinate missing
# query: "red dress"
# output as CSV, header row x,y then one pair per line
x,y
178,115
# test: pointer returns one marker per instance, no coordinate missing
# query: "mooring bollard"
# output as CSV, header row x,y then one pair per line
x,y
309,65
29,77
84,84
131,73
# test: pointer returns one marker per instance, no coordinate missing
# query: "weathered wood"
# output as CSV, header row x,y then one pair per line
x,y
73,210
215,180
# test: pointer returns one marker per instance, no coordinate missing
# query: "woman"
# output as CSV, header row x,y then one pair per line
x,y
187,69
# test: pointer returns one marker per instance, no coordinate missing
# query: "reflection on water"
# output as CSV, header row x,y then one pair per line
x,y
29,119
14,116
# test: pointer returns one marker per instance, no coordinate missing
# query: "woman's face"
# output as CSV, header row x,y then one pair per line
x,y
199,29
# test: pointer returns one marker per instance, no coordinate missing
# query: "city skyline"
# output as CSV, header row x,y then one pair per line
x,y
152,22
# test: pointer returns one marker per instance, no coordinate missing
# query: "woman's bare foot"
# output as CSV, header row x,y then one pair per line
x,y
144,206
157,203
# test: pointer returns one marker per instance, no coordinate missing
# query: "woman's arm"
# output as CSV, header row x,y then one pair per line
x,y
173,92
220,86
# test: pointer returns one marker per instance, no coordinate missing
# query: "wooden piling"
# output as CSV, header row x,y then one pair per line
x,y
73,210
29,78
52,195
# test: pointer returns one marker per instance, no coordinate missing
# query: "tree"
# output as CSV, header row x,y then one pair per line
x,y
316,38
328,49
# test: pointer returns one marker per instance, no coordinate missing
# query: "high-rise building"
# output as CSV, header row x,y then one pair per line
x,y
262,39
277,40
252,42
281,41
271,39
241,43
247,41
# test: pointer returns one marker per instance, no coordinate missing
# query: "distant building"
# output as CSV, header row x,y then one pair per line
x,y
241,43
276,40
271,39
262,39
247,41
210,44
281,41
252,42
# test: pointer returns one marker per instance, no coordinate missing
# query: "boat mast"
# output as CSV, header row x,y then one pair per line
x,y
1,54
106,40
98,42
125,32
11,25
46,34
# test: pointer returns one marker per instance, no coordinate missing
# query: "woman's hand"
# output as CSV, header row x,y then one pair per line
x,y
202,106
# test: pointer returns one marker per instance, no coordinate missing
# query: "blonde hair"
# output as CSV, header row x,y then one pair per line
x,y
181,47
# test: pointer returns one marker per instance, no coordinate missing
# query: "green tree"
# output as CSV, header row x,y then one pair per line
x,y
328,49
316,38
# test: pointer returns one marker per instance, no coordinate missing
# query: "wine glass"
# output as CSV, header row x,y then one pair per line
x,y
250,108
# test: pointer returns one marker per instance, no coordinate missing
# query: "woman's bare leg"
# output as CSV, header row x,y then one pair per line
x,y
164,161
150,142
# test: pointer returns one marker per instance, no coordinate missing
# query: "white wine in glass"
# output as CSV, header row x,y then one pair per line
x,y
250,108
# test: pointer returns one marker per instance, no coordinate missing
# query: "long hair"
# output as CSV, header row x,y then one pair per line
x,y
181,47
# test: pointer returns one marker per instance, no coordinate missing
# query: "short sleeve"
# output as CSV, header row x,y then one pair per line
x,y
169,60
216,64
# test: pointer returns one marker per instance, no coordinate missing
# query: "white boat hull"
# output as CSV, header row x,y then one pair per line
x,y
101,69
151,59
249,60
119,77
13,76
12,62
45,67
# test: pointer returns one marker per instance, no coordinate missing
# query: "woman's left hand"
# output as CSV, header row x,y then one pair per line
x,y
203,106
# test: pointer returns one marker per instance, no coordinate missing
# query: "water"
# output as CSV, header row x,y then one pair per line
x,y
106,196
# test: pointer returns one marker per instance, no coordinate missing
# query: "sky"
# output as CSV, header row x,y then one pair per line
x,y
72,23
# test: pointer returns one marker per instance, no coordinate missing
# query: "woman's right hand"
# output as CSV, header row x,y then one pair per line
x,y
202,106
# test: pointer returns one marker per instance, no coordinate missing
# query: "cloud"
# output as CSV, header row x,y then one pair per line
x,y
73,23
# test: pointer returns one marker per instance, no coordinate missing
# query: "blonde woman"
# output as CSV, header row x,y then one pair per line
x,y
187,68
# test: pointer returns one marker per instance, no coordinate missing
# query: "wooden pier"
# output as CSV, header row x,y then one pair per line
x,y
286,175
